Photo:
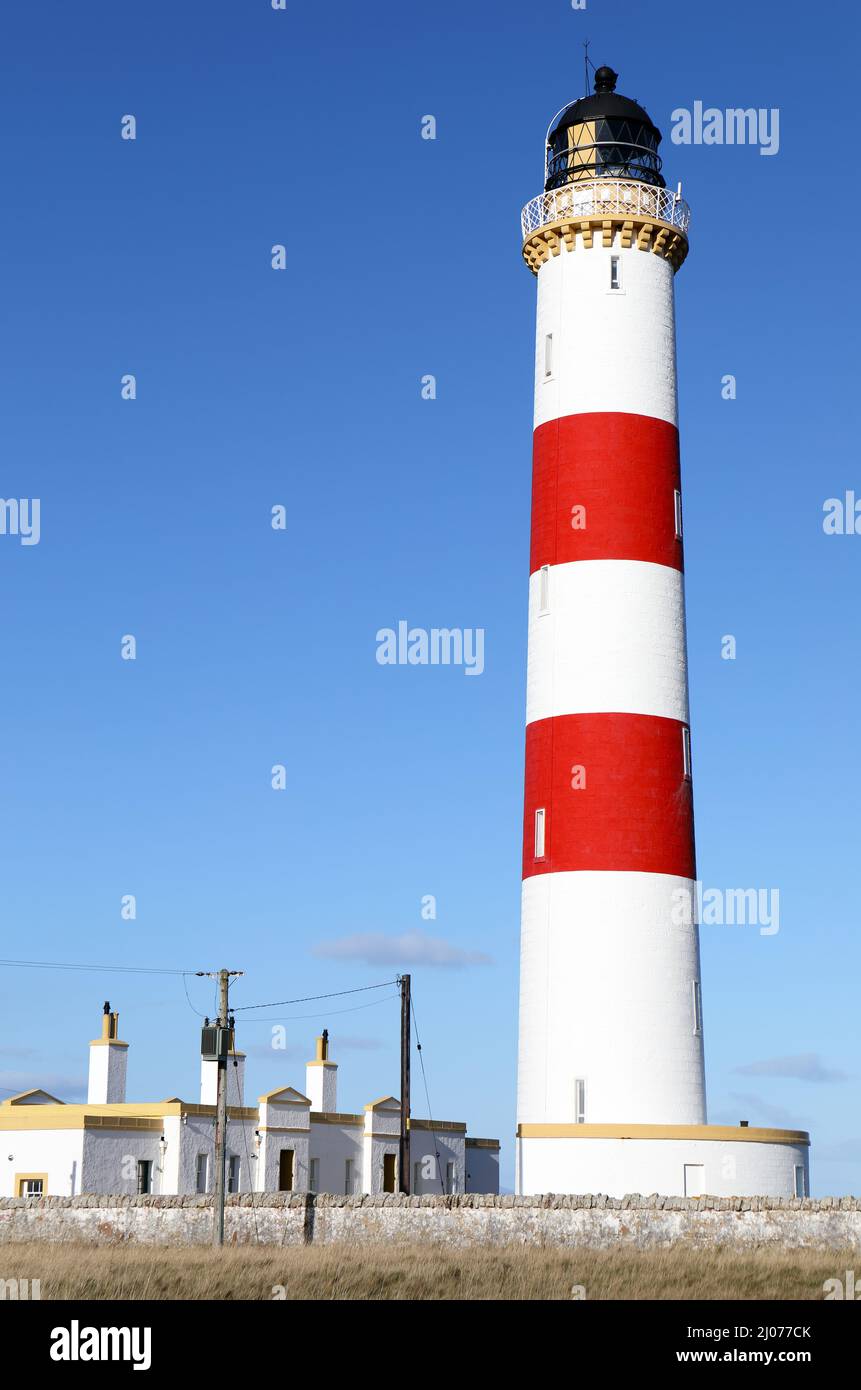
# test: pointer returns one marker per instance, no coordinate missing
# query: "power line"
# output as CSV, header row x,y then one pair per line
x,y
252,1175
119,969
184,976
427,1097
191,1006
308,998
320,1013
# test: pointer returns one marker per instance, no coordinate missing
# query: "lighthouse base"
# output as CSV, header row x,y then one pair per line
x,y
670,1160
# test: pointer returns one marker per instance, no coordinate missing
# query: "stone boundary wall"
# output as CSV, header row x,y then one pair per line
x,y
594,1222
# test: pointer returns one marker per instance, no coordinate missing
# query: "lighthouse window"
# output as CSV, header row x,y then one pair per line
x,y
615,280
799,1180
580,1102
539,833
544,589
678,502
698,1008
686,751
548,355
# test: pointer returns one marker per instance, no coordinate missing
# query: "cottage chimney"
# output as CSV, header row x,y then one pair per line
x,y
108,1062
321,1078
235,1080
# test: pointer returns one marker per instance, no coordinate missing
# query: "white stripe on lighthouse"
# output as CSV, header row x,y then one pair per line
x,y
611,639
612,350
608,964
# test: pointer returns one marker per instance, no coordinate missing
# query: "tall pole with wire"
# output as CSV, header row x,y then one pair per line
x,y
220,1116
225,1047
404,1149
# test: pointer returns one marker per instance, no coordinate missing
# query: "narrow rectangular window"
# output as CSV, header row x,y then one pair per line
x,y
615,282
800,1186
697,1007
314,1175
144,1175
580,1102
417,1179
285,1170
695,1179
348,1177
686,751
233,1173
201,1183
539,833
450,1178
389,1172
544,589
678,504
548,355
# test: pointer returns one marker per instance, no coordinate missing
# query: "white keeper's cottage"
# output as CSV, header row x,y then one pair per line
x,y
291,1141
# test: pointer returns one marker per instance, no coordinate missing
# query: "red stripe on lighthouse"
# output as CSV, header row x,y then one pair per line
x,y
623,471
634,812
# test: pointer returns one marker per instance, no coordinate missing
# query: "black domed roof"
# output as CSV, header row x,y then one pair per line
x,y
602,136
604,101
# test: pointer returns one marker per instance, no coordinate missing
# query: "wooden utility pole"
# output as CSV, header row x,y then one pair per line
x,y
226,1033
220,1117
404,1151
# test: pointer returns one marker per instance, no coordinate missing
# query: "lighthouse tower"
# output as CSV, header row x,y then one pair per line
x,y
611,1088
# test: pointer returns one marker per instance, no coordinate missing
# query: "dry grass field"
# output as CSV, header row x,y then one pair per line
x,y
418,1272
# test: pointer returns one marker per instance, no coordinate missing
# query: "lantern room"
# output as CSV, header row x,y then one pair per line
x,y
602,135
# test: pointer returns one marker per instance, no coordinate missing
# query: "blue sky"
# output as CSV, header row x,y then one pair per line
x,y
301,387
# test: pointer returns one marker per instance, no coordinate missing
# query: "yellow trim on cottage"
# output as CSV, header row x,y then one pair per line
x,y
391,1102
296,1097
21,1178
122,1115
22,1098
322,1117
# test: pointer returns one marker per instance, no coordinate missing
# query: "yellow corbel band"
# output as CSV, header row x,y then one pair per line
x,y
646,233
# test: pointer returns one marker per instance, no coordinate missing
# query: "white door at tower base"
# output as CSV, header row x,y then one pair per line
x,y
695,1179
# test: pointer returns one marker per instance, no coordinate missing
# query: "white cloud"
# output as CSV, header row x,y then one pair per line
x,y
410,948
807,1066
68,1088
762,1112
